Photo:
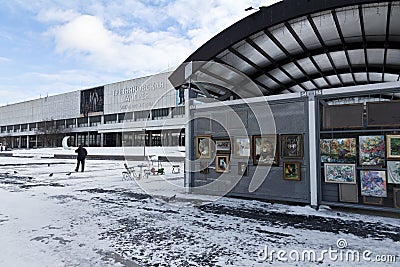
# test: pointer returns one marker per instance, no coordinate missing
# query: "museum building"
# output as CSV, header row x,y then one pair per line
x,y
299,102
143,111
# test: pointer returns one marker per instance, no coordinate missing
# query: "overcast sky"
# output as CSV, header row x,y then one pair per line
x,y
50,47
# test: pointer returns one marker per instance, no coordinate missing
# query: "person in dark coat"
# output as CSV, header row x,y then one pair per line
x,y
82,153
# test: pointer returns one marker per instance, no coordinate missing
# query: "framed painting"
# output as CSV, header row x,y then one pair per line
x,y
242,168
241,146
265,149
203,146
396,197
204,167
372,200
292,145
343,116
373,183
292,171
393,146
383,113
222,163
340,173
338,150
372,150
223,145
348,193
393,171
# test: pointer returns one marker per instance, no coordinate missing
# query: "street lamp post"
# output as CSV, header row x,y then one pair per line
x,y
144,143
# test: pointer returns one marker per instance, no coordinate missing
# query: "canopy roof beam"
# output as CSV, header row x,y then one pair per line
x,y
248,61
362,24
386,39
306,51
344,47
324,47
289,56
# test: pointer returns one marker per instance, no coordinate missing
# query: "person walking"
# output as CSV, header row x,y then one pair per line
x,y
82,153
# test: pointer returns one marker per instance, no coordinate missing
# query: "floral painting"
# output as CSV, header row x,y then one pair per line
x,y
373,183
372,150
340,173
339,150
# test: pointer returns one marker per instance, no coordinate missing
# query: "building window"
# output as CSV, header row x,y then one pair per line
x,y
128,139
70,123
139,138
94,139
83,122
142,115
24,127
112,118
82,139
128,116
178,112
60,124
32,127
161,113
94,121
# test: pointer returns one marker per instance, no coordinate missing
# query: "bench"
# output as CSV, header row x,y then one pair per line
x,y
176,168
131,174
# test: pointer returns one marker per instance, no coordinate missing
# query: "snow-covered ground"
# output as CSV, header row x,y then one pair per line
x,y
95,218
131,151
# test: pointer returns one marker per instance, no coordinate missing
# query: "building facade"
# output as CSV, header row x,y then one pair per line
x,y
144,111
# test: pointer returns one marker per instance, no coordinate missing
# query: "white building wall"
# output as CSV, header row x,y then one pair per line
x,y
47,108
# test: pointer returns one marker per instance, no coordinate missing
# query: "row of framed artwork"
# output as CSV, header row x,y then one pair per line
x,y
291,170
349,193
372,182
350,116
263,149
372,149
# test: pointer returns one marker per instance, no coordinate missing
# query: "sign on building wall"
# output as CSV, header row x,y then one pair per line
x,y
145,93
92,100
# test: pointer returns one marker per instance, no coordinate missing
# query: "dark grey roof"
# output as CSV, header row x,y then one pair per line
x,y
302,45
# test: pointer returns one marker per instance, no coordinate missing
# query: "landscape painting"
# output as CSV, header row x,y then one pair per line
x,y
339,150
393,146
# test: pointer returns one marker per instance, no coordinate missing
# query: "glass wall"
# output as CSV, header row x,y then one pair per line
x,y
94,139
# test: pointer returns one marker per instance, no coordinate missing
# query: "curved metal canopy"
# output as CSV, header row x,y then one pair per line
x,y
303,45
